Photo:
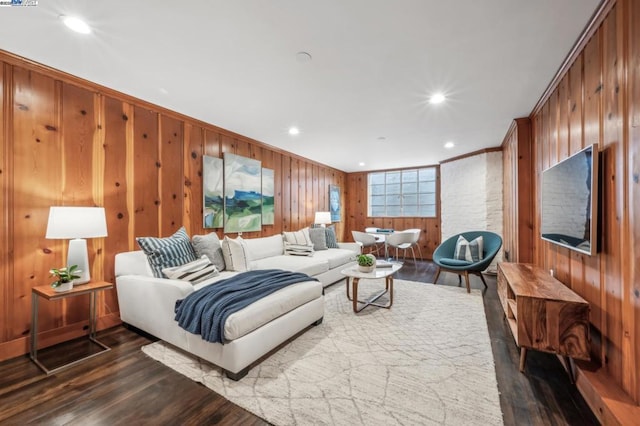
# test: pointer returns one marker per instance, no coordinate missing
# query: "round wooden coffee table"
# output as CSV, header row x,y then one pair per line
x,y
354,275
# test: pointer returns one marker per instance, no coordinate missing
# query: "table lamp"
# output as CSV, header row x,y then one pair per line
x,y
76,224
323,218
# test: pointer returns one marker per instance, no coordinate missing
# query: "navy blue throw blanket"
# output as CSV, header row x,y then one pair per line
x,y
205,311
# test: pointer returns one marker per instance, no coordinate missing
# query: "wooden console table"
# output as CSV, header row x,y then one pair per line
x,y
543,313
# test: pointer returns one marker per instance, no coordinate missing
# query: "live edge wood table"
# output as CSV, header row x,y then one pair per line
x,y
354,275
543,313
47,292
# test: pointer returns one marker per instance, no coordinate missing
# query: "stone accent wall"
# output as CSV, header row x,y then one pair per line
x,y
471,196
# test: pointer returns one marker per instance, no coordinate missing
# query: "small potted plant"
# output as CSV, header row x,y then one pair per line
x,y
64,278
366,262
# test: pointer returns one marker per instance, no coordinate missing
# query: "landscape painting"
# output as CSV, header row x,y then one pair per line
x,y
213,203
268,216
242,194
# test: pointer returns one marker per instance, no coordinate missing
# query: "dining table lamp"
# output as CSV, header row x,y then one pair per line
x,y
323,218
76,224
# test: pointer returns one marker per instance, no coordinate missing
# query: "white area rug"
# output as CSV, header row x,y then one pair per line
x,y
425,361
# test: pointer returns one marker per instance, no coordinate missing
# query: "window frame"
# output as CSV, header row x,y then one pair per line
x,y
417,194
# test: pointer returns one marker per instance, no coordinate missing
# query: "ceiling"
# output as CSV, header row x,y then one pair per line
x,y
363,98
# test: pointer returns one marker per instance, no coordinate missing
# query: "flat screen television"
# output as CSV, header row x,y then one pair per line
x,y
569,209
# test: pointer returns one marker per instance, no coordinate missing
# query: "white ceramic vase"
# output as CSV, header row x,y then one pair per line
x,y
366,268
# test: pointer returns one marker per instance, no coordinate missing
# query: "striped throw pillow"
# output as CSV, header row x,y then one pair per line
x,y
163,253
236,256
470,251
298,237
332,241
195,272
298,249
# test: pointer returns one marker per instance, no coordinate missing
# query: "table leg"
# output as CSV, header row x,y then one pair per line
x,y
390,289
348,296
92,316
34,326
354,283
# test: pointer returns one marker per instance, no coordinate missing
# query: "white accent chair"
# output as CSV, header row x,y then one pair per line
x,y
402,240
416,239
366,241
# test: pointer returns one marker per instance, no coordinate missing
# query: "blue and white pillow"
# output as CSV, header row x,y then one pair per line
x,y
471,251
332,241
167,252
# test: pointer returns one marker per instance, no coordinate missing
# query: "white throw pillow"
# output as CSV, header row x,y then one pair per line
x,y
195,272
470,251
298,237
236,255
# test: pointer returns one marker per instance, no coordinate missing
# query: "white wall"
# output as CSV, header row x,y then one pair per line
x,y
471,196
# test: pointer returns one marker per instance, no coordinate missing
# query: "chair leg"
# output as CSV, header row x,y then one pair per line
x,y
466,278
414,255
482,278
459,279
437,275
420,251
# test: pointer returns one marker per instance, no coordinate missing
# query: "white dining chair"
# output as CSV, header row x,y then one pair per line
x,y
402,241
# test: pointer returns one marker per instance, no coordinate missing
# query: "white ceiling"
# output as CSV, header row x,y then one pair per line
x,y
375,63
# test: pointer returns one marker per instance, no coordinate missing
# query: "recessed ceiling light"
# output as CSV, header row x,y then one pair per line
x,y
294,131
449,145
164,91
437,98
361,164
303,57
76,24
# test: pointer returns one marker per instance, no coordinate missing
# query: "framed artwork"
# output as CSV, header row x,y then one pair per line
x,y
268,216
212,190
242,194
334,203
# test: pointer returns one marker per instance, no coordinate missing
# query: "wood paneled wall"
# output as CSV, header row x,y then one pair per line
x,y
357,219
517,195
597,100
65,141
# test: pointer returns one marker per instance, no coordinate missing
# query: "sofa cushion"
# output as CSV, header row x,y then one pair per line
x,y
195,272
167,252
236,254
259,248
270,307
209,245
298,237
318,238
336,257
454,262
307,265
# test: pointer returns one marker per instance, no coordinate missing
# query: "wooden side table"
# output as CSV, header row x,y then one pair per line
x,y
47,292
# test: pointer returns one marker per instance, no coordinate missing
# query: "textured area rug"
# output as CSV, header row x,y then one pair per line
x,y
427,360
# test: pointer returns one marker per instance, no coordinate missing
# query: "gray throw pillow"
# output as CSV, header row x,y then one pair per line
x,y
332,241
209,244
318,238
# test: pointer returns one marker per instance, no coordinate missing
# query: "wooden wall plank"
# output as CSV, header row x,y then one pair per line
x,y
115,121
613,199
193,148
171,175
146,166
633,161
78,129
6,202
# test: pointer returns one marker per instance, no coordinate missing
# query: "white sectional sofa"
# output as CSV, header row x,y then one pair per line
x,y
147,302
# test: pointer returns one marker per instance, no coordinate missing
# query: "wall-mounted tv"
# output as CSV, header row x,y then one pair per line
x,y
569,210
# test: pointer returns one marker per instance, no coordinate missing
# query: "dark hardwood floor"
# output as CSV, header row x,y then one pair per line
x,y
124,386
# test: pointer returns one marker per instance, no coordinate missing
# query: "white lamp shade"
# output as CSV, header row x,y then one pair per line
x,y
323,218
76,222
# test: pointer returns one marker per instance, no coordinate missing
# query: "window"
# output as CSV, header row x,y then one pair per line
x,y
403,193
